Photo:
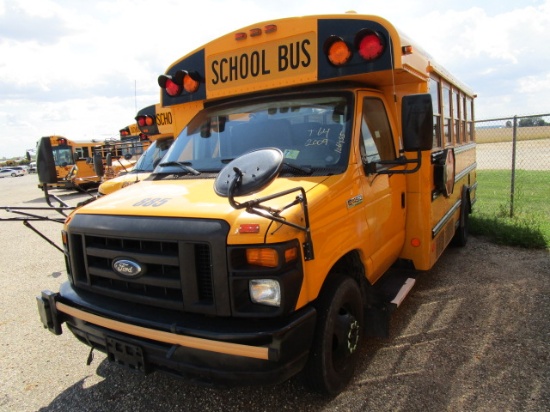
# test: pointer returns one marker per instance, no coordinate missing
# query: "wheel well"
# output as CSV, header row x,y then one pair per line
x,y
376,313
350,265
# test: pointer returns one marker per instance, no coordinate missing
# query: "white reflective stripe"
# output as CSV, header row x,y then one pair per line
x,y
167,337
404,291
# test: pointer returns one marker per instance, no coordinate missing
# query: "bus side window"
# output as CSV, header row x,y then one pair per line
x,y
376,135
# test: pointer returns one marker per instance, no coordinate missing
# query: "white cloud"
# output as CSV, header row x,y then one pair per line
x,y
73,68
534,84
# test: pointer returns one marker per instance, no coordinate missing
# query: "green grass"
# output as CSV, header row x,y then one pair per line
x,y
529,226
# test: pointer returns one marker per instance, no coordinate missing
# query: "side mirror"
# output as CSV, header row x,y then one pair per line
x,y
98,165
417,122
109,159
45,163
249,173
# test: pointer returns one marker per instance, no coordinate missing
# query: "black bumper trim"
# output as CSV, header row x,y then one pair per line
x,y
218,357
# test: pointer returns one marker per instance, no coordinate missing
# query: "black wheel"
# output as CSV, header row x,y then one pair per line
x,y
338,336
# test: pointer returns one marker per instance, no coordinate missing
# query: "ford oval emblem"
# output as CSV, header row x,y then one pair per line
x,y
127,268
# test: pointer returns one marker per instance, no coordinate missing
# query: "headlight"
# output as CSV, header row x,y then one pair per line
x,y
265,292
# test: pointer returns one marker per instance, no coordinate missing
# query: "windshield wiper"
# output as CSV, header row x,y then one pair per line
x,y
303,169
184,165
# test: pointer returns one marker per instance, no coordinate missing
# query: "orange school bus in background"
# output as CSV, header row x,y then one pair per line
x,y
66,153
329,161
156,123
112,158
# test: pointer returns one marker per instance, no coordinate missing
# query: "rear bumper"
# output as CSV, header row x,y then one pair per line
x,y
228,351
64,184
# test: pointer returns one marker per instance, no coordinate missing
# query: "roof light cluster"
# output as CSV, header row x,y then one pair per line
x,y
255,32
368,44
125,132
145,120
179,82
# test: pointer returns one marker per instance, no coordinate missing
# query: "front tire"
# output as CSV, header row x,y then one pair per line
x,y
338,336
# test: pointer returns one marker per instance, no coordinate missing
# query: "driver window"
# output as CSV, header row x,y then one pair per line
x,y
376,135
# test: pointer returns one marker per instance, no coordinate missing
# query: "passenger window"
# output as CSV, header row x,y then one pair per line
x,y
377,138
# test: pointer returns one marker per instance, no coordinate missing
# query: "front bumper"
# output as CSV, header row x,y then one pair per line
x,y
220,351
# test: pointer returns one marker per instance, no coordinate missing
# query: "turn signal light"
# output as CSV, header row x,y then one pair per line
x,y
291,254
262,257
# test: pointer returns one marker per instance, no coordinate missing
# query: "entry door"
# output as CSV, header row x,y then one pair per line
x,y
384,194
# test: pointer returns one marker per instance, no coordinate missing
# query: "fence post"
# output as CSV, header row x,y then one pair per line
x,y
513,179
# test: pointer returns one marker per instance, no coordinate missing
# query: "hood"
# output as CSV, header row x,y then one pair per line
x,y
193,198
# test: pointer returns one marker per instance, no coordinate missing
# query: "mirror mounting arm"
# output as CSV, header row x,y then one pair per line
x,y
402,161
255,207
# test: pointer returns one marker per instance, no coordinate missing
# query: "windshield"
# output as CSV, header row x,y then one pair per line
x,y
62,155
153,155
312,132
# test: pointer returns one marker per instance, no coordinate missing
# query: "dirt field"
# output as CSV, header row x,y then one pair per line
x,y
474,335
530,155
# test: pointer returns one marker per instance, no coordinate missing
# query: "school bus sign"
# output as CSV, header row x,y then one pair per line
x,y
276,64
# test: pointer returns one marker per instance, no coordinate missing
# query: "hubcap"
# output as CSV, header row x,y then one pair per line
x,y
353,336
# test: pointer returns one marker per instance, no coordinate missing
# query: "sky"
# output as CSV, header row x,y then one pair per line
x,y
83,68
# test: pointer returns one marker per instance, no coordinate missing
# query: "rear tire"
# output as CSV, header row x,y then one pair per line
x,y
338,336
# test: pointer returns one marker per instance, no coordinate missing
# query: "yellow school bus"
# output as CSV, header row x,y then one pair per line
x,y
156,123
112,158
328,161
66,153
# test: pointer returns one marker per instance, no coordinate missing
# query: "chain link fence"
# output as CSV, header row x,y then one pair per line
x,y
515,145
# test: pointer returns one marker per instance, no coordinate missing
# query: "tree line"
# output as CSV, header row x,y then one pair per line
x,y
529,122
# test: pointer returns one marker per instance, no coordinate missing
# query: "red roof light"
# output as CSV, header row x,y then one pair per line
x,y
172,88
370,45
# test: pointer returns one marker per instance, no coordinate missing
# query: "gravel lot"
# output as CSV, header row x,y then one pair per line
x,y
474,335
